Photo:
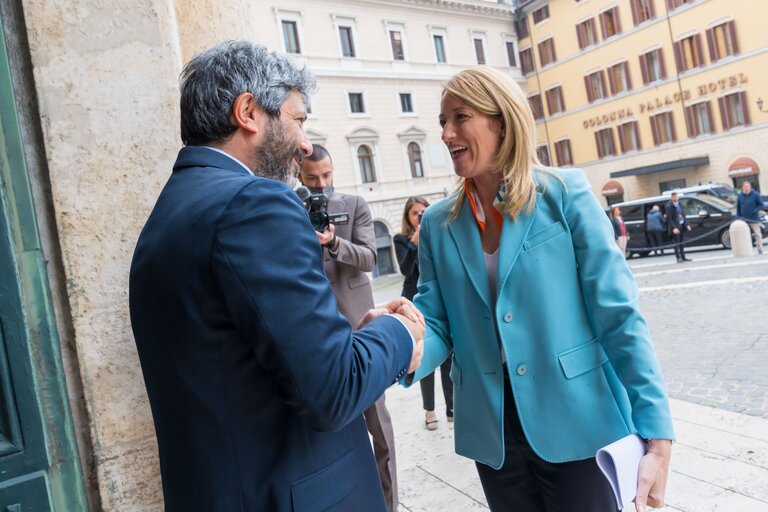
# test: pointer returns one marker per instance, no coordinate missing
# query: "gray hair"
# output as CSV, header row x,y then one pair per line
x,y
213,79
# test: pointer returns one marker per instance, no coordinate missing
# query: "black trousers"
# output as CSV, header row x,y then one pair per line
x,y
656,240
428,387
526,483
678,241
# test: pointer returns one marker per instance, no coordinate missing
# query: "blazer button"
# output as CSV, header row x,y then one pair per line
x,y
522,369
508,316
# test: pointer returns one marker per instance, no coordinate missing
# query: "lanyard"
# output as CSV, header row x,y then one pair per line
x,y
474,201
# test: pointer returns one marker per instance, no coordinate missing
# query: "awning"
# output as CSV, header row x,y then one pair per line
x,y
666,166
743,167
612,188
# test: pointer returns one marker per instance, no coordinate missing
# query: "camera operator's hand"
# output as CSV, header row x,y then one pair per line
x,y
415,237
328,236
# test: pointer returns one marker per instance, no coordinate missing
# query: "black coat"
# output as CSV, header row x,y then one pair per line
x,y
673,218
408,259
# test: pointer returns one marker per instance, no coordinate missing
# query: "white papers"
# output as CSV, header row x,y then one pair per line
x,y
619,462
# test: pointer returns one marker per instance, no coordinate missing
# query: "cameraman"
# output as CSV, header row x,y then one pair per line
x,y
350,252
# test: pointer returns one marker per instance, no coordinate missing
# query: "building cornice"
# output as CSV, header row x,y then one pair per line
x,y
471,7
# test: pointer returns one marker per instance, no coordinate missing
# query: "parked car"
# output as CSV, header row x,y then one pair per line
x,y
719,190
708,216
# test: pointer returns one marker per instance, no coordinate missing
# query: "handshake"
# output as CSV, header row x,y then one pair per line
x,y
411,317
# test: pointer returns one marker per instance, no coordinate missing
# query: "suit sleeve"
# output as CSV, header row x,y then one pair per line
x,y
270,275
738,206
437,340
360,252
407,254
611,295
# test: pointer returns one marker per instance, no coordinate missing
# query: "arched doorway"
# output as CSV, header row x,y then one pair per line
x,y
384,264
744,169
613,192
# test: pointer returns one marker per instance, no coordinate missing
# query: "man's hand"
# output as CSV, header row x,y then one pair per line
x,y
327,235
399,305
675,231
687,227
653,473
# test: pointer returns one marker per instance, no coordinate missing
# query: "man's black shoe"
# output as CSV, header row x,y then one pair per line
x,y
687,259
680,260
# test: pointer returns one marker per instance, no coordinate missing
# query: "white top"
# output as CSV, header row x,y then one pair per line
x,y
492,270
230,156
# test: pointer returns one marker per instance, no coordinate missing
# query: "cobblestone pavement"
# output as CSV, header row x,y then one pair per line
x,y
709,323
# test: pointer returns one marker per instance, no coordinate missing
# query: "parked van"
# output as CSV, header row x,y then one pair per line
x,y
708,216
719,190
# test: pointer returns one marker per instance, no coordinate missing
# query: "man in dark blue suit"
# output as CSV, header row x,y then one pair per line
x,y
256,382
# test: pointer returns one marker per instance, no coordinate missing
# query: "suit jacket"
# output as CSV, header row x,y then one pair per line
x,y
578,352
356,255
673,218
256,382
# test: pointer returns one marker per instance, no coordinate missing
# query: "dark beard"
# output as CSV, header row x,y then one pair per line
x,y
274,157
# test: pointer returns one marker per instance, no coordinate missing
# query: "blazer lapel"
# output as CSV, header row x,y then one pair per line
x,y
466,236
513,234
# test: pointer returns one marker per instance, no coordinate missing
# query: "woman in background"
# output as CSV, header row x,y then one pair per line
x,y
619,230
407,250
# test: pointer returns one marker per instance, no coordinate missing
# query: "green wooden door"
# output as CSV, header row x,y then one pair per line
x,y
39,467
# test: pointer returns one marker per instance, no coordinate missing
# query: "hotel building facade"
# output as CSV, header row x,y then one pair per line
x,y
648,95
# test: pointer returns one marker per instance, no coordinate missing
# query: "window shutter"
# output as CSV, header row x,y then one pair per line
x,y
602,83
622,139
670,4
600,148
734,41
633,5
559,152
589,89
651,9
745,108
711,117
636,134
671,125
655,130
644,68
661,62
724,113
699,50
679,59
603,27
629,77
569,160
616,19
561,98
612,79
580,36
552,47
690,122
712,45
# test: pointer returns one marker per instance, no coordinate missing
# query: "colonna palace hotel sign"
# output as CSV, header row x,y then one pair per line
x,y
670,99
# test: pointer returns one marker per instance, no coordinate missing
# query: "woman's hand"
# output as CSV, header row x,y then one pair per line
x,y
653,473
415,237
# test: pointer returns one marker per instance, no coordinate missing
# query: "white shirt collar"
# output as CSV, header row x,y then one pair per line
x,y
230,156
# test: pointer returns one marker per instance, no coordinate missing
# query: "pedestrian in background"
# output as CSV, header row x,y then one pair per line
x,y
677,226
619,230
654,225
407,250
748,207
551,358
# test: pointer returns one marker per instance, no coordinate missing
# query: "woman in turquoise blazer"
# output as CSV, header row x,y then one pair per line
x,y
520,276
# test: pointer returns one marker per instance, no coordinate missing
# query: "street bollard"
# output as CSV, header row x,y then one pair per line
x,y
741,239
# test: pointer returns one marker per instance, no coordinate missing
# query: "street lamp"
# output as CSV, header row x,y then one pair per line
x,y
760,106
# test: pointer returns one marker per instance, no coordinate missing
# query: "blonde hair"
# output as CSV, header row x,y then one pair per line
x,y
496,95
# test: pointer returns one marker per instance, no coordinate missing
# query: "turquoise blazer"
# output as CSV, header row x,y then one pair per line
x,y
578,351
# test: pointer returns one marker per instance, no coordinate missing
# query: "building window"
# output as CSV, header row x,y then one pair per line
x,y
609,23
555,101
540,15
642,10
605,144
526,60
547,52
733,110
663,128
439,48
347,41
511,54
396,39
618,78
671,185
356,104
595,84
543,153
698,119
722,41
674,4
365,159
384,263
563,152
586,33
406,104
479,50
291,37
536,107
652,66
688,53
521,28
414,157
629,137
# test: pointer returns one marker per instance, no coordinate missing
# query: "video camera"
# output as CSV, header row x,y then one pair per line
x,y
317,208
